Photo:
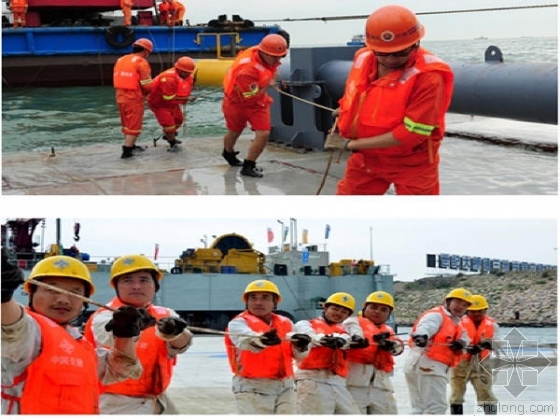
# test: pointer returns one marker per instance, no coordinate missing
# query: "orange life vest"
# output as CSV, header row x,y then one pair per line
x,y
372,355
249,57
322,357
18,4
168,88
157,367
125,72
368,109
63,378
485,331
439,348
274,362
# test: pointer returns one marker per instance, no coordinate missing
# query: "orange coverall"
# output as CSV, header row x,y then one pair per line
x,y
126,6
19,10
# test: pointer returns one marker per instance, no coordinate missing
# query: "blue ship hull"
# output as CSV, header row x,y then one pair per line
x,y
84,56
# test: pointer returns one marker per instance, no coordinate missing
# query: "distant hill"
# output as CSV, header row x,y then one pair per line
x,y
534,295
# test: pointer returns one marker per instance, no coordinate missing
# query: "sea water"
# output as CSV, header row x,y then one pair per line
x,y
42,118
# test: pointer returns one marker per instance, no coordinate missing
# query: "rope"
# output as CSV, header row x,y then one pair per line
x,y
354,17
302,100
331,154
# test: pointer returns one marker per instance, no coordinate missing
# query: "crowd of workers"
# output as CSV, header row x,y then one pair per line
x,y
122,362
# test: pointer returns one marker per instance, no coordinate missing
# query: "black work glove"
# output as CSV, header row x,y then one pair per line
x,y
270,338
358,342
378,338
12,277
457,345
129,321
420,340
474,350
332,342
170,328
486,345
387,345
301,341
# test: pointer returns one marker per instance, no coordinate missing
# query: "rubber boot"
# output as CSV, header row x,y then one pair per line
x,y
138,148
456,408
231,158
490,409
173,145
249,169
127,152
177,141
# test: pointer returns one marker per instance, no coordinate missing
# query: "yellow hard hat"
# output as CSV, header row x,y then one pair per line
x,y
346,300
462,294
262,285
61,266
478,303
383,298
130,264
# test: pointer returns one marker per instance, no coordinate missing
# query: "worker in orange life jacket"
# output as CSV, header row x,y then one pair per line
x,y
321,375
48,367
135,279
165,11
392,113
260,346
370,366
126,7
476,365
132,80
177,13
19,11
437,341
246,100
170,90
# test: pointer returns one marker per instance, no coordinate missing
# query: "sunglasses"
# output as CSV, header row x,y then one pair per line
x,y
401,53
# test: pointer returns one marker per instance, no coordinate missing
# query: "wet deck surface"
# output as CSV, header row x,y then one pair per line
x,y
468,167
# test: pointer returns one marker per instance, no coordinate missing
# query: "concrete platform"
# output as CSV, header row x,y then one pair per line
x,y
467,167
202,379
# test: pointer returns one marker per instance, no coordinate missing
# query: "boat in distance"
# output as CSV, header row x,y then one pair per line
x,y
205,285
72,42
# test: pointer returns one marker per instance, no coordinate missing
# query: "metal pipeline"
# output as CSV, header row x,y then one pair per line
x,y
519,91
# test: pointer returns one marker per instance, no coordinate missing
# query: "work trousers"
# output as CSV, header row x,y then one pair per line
x,y
264,396
481,380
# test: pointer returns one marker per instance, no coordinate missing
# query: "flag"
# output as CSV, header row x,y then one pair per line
x,y
286,230
269,234
156,252
304,236
327,231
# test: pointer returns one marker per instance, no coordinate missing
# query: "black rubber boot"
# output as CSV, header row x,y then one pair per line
x,y
490,409
127,152
173,145
231,158
249,169
177,141
138,148
456,408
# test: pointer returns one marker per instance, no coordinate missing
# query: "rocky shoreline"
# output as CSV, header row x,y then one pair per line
x,y
532,294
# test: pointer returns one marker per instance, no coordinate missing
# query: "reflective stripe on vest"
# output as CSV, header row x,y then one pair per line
x,y
248,57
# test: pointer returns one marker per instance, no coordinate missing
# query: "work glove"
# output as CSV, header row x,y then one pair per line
x,y
129,321
486,344
474,350
358,342
300,341
457,345
170,328
12,277
332,342
420,340
335,141
387,345
378,338
270,338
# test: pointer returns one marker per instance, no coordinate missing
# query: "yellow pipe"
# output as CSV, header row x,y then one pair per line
x,y
211,72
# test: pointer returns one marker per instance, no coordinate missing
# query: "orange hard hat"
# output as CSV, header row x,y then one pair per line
x,y
144,43
274,44
392,28
185,64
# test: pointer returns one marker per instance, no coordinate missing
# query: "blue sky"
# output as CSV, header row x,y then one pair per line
x,y
449,26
